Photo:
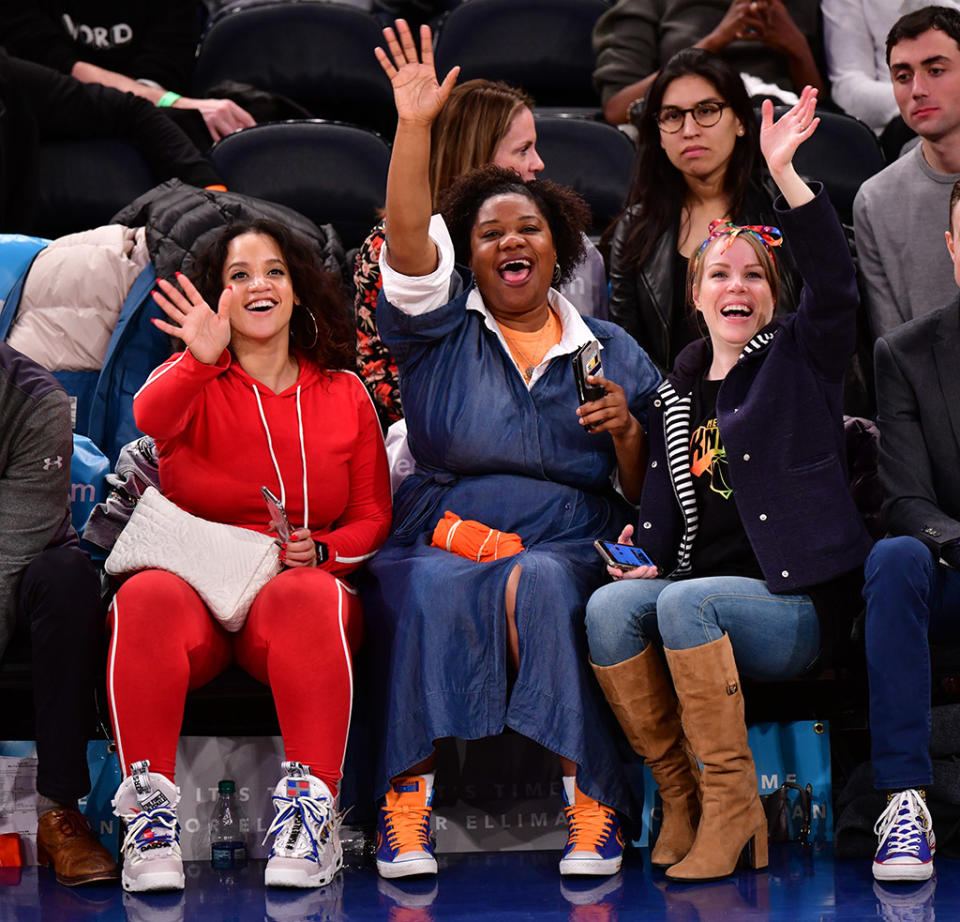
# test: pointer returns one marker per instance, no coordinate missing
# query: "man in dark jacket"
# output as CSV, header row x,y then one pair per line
x,y
913,584
49,603
37,104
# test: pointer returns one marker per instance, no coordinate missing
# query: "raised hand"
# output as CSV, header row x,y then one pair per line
x,y
418,95
204,332
779,140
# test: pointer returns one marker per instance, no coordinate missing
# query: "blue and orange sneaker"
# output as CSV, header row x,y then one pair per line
x,y
906,844
404,846
594,840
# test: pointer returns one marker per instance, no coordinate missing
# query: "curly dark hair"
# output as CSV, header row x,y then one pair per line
x,y
319,291
564,210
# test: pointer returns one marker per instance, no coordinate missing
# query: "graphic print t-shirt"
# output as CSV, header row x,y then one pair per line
x,y
721,547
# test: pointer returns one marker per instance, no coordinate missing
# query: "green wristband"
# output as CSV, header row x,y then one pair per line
x,y
168,99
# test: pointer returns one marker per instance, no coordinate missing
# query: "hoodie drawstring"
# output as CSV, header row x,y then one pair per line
x,y
273,457
303,461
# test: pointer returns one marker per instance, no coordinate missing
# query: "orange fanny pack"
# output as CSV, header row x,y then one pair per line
x,y
474,540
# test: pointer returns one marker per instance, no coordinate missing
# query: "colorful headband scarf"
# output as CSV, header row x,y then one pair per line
x,y
770,237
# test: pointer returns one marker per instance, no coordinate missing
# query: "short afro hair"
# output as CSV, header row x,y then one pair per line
x,y
564,210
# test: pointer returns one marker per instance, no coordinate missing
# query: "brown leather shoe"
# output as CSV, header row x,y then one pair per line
x,y
66,841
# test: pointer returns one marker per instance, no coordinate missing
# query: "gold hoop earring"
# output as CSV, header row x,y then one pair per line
x,y
316,329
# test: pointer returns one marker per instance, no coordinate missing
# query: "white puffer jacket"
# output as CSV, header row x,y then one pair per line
x,y
73,294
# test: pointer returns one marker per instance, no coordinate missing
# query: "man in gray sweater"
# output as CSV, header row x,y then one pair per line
x,y
901,213
50,608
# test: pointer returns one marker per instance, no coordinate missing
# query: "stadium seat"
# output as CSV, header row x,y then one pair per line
x,y
317,54
842,154
593,157
329,172
542,46
82,184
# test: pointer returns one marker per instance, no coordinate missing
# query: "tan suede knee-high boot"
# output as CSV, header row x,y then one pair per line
x,y
708,687
643,700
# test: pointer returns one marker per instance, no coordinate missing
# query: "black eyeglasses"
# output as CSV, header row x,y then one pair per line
x,y
705,114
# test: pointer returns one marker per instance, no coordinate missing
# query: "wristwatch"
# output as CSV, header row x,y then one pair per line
x,y
323,552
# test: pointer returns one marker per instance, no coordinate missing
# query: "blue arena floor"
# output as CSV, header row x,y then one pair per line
x,y
800,884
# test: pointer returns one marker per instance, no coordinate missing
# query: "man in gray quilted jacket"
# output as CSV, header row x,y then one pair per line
x,y
49,606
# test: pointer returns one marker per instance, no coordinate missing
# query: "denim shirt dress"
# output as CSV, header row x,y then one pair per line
x,y
489,448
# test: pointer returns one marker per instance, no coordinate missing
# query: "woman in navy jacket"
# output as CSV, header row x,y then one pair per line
x,y
746,513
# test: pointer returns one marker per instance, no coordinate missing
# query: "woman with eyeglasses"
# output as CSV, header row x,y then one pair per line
x,y
699,159
745,512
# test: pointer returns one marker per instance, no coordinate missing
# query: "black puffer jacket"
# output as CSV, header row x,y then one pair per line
x,y
181,220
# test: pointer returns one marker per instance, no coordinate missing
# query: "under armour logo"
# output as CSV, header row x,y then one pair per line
x,y
50,463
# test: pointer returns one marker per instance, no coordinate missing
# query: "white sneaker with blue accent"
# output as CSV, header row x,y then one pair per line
x,y
906,843
147,803
306,848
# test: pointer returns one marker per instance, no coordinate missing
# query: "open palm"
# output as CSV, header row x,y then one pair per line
x,y
418,95
204,332
780,139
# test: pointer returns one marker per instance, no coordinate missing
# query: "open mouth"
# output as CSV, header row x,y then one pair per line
x,y
736,311
515,271
259,307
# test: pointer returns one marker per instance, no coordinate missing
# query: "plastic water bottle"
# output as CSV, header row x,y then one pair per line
x,y
228,847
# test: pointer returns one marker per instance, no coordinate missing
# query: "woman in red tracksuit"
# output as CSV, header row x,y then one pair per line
x,y
253,401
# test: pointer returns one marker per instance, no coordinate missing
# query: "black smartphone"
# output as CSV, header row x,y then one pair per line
x,y
278,514
586,361
622,556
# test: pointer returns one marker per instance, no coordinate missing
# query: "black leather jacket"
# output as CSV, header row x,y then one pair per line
x,y
641,298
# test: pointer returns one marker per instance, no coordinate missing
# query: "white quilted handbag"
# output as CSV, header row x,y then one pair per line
x,y
226,565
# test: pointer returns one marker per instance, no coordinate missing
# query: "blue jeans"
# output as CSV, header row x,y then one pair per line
x,y
911,600
773,636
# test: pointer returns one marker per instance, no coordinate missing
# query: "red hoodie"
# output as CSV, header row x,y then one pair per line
x,y
317,445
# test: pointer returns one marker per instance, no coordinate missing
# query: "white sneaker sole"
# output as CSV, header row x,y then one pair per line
x,y
414,866
149,881
298,877
915,871
590,867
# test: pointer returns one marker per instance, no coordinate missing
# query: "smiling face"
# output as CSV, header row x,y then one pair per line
x,y
517,149
733,293
512,255
256,269
926,83
697,152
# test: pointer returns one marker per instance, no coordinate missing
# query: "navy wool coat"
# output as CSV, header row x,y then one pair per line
x,y
779,411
